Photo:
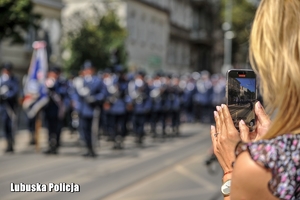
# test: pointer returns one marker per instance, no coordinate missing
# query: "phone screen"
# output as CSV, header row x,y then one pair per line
x,y
241,96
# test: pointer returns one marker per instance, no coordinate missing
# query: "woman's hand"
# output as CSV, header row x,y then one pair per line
x,y
224,137
262,125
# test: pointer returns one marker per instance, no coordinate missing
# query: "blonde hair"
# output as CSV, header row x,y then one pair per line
x,y
275,57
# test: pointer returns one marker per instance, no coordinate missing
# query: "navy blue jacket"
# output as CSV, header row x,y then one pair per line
x,y
57,97
85,102
118,106
9,95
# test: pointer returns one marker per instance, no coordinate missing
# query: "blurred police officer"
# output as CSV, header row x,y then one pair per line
x,y
218,93
116,114
175,97
88,99
187,83
9,88
108,80
156,95
202,96
54,110
71,115
139,95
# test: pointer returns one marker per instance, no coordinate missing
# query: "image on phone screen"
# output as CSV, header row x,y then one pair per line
x,y
241,100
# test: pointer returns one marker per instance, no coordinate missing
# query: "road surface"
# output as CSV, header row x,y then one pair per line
x,y
162,169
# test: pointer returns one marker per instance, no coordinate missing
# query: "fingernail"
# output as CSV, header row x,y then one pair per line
x,y
258,104
223,105
216,113
212,127
242,122
218,108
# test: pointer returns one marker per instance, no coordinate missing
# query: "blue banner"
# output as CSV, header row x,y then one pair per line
x,y
35,90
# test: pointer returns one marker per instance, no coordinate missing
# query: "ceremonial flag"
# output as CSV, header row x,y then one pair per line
x,y
35,90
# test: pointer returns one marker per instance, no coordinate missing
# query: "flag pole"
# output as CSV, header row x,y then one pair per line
x,y
38,125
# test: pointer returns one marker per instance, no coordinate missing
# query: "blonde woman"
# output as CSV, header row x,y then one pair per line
x,y
266,165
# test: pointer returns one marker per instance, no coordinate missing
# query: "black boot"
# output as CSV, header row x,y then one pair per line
x,y
32,141
118,141
9,148
90,152
52,147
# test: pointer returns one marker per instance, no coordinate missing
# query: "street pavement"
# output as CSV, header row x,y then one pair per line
x,y
239,112
160,170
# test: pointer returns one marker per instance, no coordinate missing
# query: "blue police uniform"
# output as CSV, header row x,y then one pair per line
x,y
188,93
88,98
160,105
71,115
54,110
218,93
202,99
108,81
9,88
141,102
116,115
174,96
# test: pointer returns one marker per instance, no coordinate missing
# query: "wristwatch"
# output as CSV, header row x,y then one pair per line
x,y
225,189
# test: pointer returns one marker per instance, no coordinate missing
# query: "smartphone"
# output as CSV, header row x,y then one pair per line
x,y
241,96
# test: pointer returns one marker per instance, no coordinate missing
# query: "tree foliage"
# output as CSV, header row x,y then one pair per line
x,y
97,40
16,17
243,12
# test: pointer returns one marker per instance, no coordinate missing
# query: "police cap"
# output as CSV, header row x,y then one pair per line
x,y
141,73
54,68
119,69
87,65
7,65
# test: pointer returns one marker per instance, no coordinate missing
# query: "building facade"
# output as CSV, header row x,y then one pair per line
x,y
169,35
50,30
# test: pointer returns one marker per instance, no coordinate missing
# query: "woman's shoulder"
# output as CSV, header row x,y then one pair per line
x,y
273,150
280,155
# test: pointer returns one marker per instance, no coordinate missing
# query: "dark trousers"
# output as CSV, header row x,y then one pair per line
x,y
117,125
104,122
138,124
86,128
175,118
156,117
204,113
7,122
53,126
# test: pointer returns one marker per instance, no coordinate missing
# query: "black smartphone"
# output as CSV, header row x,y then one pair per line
x,y
241,95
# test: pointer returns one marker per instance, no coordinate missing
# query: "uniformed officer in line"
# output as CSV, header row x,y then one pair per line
x,y
9,89
156,95
116,108
71,116
138,91
108,80
218,93
202,96
88,100
54,110
63,82
175,98
187,83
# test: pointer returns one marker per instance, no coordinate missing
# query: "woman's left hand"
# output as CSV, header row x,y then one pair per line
x,y
224,137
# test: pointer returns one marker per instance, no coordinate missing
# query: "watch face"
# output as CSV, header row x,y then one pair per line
x,y
226,187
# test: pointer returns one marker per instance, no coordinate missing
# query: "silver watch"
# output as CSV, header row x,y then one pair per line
x,y
225,189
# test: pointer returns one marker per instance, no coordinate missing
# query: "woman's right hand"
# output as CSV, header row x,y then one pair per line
x,y
262,125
